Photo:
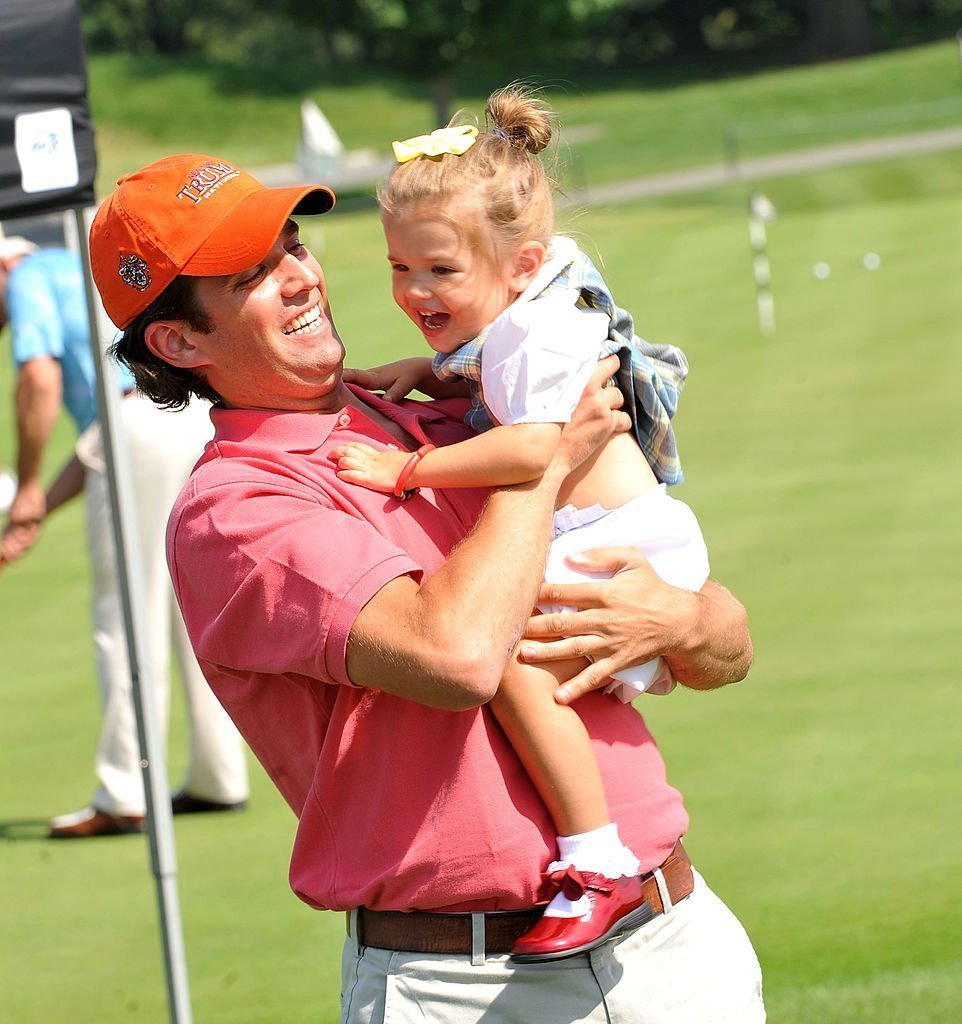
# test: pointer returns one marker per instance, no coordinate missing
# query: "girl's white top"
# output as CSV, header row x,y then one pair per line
x,y
539,353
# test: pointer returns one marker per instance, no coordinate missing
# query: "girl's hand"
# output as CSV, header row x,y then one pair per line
x,y
397,380
377,470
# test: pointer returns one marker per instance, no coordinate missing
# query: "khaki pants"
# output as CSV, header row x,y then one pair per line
x,y
693,965
163,447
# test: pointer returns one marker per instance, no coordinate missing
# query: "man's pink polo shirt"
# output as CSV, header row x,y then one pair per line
x,y
399,806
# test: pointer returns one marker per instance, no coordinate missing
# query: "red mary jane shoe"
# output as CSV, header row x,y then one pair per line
x,y
617,905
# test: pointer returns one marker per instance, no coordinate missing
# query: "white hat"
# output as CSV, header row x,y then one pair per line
x,y
15,245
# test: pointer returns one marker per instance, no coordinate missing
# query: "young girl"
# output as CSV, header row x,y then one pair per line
x,y
523,316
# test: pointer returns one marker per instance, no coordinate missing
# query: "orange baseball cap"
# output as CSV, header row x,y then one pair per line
x,y
186,214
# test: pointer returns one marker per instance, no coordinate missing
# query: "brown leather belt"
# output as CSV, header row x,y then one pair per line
x,y
422,932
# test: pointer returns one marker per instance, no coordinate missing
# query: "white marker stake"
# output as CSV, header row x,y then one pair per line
x,y
762,272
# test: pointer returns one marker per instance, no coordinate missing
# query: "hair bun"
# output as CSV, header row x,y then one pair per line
x,y
517,114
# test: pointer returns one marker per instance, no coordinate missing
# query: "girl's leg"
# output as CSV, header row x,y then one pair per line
x,y
553,745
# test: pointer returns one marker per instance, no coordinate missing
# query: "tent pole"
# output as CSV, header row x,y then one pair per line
x,y
130,578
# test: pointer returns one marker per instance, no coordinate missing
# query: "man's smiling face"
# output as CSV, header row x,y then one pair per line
x,y
273,344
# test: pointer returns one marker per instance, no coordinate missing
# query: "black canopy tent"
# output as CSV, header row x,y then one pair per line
x,y
47,165
47,155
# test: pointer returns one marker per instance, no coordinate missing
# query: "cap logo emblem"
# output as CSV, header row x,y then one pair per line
x,y
205,180
134,272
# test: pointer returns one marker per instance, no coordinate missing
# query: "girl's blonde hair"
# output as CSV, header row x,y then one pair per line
x,y
499,177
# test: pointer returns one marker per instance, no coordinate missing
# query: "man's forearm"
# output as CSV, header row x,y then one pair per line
x,y
446,642
717,648
490,583
38,397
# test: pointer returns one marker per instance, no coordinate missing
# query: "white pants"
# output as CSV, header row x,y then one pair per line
x,y
693,965
163,447
665,530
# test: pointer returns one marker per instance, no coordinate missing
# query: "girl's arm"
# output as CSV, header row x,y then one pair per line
x,y
398,379
497,458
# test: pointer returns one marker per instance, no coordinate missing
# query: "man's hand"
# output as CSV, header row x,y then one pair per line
x,y
595,419
27,512
633,617
16,541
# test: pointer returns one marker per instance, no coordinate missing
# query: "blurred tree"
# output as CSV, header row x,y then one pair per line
x,y
838,28
433,40
436,41
686,23
757,25
167,27
636,31
347,31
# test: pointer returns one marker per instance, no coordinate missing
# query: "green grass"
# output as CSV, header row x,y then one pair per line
x,y
823,790
820,462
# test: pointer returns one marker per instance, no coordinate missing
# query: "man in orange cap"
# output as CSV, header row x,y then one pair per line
x,y
355,638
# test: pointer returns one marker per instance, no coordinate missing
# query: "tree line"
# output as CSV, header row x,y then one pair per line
x,y
436,40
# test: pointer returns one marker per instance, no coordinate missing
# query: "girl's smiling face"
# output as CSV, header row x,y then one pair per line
x,y
448,284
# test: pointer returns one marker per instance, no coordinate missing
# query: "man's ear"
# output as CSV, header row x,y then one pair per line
x,y
172,341
525,264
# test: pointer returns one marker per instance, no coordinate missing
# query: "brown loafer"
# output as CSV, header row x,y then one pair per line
x,y
183,802
92,822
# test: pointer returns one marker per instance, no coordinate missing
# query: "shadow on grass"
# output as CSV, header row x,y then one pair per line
x,y
297,78
25,829
30,829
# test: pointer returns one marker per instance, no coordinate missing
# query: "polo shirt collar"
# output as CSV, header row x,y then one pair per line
x,y
297,431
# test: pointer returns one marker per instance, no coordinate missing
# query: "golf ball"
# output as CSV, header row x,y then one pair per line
x,y
821,270
871,261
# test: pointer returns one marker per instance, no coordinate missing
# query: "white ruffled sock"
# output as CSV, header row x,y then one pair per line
x,y
599,850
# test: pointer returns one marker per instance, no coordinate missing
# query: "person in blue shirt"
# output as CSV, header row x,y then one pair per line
x,y
42,299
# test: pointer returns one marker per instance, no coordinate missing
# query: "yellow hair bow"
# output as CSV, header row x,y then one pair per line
x,y
444,140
